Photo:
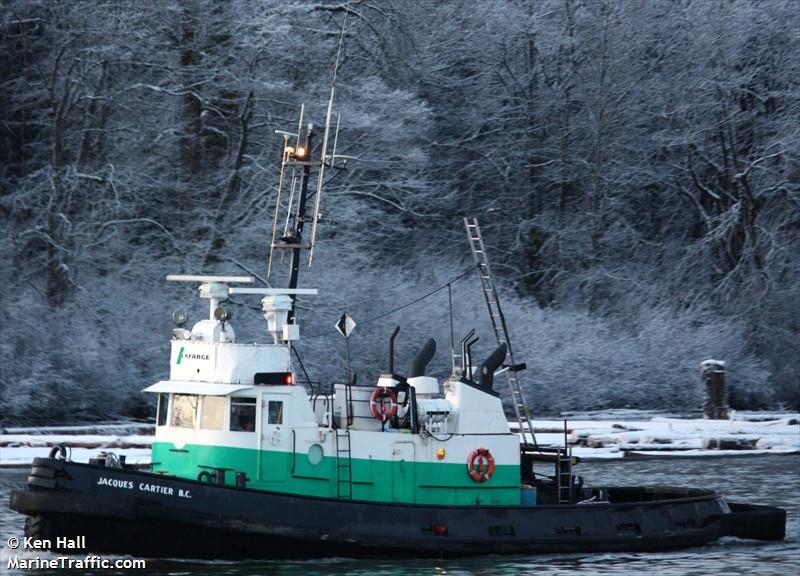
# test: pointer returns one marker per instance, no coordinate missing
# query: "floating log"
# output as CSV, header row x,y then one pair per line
x,y
87,444
654,448
625,428
548,457
730,443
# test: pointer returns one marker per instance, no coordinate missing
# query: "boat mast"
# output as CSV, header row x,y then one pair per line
x,y
299,159
295,240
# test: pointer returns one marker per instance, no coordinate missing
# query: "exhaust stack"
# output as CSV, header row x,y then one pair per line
x,y
423,357
469,346
391,348
464,359
491,364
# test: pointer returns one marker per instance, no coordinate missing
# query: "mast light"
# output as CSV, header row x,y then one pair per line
x,y
222,314
180,317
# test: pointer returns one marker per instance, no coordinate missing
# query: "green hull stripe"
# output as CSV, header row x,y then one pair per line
x,y
374,480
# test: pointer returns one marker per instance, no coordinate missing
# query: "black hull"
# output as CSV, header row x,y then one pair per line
x,y
149,515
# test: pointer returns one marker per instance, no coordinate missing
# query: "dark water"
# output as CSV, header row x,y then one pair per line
x,y
767,480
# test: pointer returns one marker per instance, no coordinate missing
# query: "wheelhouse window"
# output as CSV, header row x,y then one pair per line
x,y
184,410
275,412
161,409
212,413
243,414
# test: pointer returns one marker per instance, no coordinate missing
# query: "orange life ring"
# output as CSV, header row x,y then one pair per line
x,y
480,465
383,410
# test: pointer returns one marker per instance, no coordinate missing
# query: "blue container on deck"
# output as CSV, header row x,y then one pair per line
x,y
527,495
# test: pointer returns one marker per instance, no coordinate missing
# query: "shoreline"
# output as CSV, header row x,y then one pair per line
x,y
593,437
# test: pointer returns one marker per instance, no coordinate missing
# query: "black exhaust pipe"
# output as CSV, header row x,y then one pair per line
x,y
422,358
470,344
491,364
464,363
391,349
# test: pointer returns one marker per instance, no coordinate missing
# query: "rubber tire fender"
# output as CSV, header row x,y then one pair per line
x,y
59,449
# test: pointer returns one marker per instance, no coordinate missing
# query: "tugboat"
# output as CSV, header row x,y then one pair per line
x,y
249,463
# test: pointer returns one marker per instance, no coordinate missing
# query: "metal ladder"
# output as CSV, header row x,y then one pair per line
x,y
348,403
564,476
344,470
499,326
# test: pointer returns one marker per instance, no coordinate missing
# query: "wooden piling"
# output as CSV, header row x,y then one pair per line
x,y
716,398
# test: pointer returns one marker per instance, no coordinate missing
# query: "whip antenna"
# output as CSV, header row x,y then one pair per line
x,y
324,156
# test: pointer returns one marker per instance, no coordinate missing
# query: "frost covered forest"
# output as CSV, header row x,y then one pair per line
x,y
633,163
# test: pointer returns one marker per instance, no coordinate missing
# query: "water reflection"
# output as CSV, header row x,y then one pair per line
x,y
767,480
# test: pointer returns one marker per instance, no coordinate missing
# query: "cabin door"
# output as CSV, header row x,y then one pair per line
x,y
403,472
275,435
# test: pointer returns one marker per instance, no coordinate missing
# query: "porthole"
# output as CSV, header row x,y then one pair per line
x,y
315,453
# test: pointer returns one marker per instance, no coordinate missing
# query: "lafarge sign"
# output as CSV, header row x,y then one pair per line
x,y
192,361
183,356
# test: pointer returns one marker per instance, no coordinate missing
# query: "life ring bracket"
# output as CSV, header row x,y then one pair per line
x,y
480,465
383,403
